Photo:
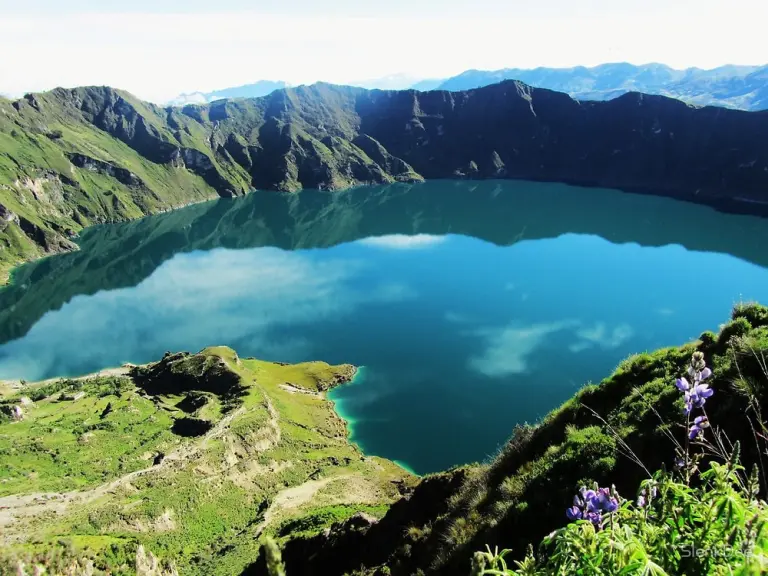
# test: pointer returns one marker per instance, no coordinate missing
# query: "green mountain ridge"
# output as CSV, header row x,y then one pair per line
x,y
73,158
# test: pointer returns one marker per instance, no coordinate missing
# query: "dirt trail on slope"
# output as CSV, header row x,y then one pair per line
x,y
296,496
16,507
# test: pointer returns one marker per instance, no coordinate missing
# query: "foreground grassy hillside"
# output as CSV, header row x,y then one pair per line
x,y
615,432
196,457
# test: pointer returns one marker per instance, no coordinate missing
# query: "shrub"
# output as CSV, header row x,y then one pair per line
x,y
716,528
752,312
737,327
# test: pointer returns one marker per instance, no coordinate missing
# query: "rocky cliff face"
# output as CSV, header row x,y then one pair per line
x,y
115,157
635,142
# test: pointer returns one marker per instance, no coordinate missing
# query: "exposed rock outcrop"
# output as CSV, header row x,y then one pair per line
x,y
120,174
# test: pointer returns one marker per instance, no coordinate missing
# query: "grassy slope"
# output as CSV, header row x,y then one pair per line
x,y
296,138
511,500
522,494
40,185
206,504
282,465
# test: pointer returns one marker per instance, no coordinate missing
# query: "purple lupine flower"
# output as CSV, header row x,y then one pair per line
x,y
644,499
702,392
606,502
586,495
699,424
573,513
596,518
591,504
696,392
688,404
682,385
699,375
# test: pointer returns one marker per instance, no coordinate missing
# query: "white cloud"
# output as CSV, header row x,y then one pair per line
x,y
577,347
403,242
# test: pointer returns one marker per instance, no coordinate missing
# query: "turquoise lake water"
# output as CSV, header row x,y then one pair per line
x,y
472,306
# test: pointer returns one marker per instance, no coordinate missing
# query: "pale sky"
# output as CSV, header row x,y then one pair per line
x,y
157,49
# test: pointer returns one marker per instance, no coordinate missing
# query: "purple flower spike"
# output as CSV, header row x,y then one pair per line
x,y
703,391
591,505
696,392
596,518
682,385
573,513
605,502
699,424
641,501
702,422
586,495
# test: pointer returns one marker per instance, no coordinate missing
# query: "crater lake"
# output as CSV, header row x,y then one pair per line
x,y
470,306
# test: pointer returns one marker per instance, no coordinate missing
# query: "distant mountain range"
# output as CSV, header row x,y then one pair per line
x,y
741,87
398,82
255,90
744,87
265,87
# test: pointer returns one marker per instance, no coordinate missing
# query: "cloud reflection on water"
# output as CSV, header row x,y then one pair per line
x,y
192,301
508,349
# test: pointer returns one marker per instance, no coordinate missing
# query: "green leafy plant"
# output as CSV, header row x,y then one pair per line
x,y
683,522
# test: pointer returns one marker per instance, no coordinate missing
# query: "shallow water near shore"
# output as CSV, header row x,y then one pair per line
x,y
471,306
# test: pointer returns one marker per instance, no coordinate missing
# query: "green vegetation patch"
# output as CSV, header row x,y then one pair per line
x,y
272,452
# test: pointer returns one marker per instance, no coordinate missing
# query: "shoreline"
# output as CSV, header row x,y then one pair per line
x,y
354,375
7,274
736,205
337,407
16,384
